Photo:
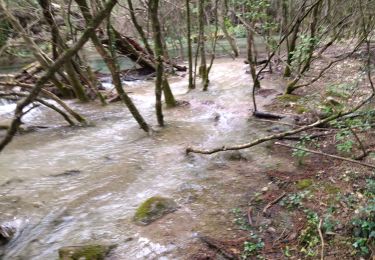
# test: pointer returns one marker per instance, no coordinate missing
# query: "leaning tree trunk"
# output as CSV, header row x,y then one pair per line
x,y
112,68
72,75
203,66
139,28
230,39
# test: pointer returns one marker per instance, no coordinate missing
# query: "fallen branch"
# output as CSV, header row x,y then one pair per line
x,y
263,139
273,203
249,218
327,155
321,238
280,135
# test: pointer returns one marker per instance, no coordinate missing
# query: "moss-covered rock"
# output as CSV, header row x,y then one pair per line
x,y
153,209
289,98
304,184
86,252
234,156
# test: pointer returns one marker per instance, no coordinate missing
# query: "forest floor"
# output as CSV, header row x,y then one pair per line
x,y
322,208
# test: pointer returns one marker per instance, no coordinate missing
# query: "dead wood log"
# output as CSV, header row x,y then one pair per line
x,y
133,50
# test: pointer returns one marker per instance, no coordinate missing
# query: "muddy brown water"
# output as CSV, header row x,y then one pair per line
x,y
111,167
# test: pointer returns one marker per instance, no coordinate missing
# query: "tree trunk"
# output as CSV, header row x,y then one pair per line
x,y
190,49
202,49
139,28
161,77
230,39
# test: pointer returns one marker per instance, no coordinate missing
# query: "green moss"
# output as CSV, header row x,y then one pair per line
x,y
289,98
87,252
301,109
153,209
304,184
331,189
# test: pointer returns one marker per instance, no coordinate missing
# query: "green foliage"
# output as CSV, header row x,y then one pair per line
x,y
294,200
344,137
302,51
300,154
252,247
256,9
239,31
340,90
240,219
309,237
329,224
364,229
364,224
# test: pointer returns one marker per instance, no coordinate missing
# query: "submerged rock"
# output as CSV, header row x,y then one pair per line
x,y
153,209
86,252
234,156
68,173
8,230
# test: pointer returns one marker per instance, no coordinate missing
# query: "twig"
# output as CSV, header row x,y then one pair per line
x,y
280,237
216,245
273,202
321,238
328,155
249,216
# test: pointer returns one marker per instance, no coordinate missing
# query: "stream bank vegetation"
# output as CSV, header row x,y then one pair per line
x,y
323,118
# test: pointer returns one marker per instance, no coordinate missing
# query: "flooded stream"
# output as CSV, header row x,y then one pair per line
x,y
70,186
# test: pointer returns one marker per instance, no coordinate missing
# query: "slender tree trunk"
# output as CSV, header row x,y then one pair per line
x,y
158,46
230,39
293,43
139,28
251,58
190,48
161,77
202,50
72,75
